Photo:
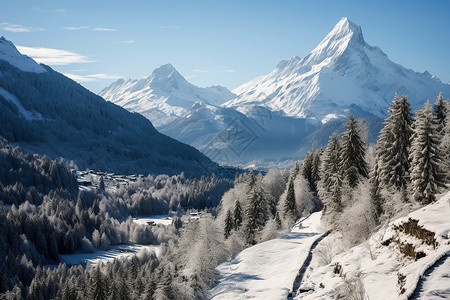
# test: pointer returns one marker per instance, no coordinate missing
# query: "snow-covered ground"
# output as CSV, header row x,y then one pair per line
x,y
116,251
382,267
156,219
435,284
268,270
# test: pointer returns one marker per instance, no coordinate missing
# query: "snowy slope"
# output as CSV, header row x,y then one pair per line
x,y
9,53
115,252
163,96
382,266
267,270
230,137
435,284
341,72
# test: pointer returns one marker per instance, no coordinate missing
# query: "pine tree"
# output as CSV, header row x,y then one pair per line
x,y
307,165
426,166
440,111
290,207
330,183
375,195
97,286
353,152
257,215
296,170
394,144
316,171
278,220
237,215
229,224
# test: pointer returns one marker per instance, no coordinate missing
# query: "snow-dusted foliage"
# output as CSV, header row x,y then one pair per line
x,y
427,164
330,184
47,215
353,153
393,145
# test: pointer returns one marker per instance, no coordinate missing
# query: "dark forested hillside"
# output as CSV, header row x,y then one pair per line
x,y
50,114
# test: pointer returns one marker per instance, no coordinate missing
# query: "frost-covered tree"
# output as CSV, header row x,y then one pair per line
x,y
330,183
98,288
229,224
394,144
237,215
440,110
310,168
290,207
426,162
375,192
353,152
257,214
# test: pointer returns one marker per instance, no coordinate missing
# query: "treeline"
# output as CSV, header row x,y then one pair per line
x,y
362,186
42,214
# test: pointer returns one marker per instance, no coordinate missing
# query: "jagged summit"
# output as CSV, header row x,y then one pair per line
x,y
9,53
163,96
164,72
342,74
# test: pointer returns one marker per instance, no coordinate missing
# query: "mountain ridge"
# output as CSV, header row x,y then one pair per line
x,y
164,96
343,70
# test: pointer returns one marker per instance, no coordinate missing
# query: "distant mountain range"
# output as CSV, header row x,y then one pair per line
x,y
285,113
164,96
45,112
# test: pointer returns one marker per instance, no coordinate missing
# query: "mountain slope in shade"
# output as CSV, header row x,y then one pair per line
x,y
164,96
341,72
48,113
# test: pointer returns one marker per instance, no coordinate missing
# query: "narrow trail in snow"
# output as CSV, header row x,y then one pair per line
x,y
432,285
298,280
267,270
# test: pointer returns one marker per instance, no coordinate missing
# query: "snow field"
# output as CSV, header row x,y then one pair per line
x,y
116,252
267,270
383,271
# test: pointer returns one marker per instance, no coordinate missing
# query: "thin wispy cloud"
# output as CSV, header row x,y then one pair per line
x,y
62,12
53,57
227,71
201,71
18,28
76,27
169,27
127,42
104,29
91,77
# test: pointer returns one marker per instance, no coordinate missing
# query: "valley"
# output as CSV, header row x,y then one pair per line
x,y
326,178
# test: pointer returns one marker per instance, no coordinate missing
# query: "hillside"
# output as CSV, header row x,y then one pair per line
x,y
45,112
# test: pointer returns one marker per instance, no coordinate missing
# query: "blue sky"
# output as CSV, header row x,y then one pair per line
x,y
215,42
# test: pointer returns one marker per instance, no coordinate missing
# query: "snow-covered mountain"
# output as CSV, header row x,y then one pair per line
x,y
9,53
341,74
47,113
164,96
230,137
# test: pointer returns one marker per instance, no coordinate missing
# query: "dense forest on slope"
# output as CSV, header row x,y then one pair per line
x,y
50,114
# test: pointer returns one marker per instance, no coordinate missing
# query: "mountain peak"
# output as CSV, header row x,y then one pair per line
x,y
344,28
343,35
9,53
165,71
